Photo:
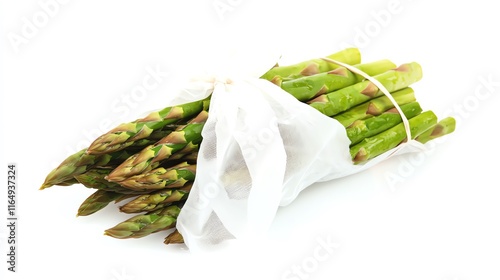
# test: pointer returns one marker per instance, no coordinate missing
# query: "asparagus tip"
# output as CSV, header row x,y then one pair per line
x,y
45,186
174,238
119,234
116,176
82,213
110,233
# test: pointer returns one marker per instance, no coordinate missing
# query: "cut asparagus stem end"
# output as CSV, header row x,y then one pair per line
x,y
378,144
442,128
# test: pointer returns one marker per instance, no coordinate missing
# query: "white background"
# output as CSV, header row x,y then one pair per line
x,y
434,216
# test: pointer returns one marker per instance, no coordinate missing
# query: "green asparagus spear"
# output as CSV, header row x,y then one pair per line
x,y
145,224
308,87
156,200
373,146
97,201
443,127
341,100
155,136
81,161
362,129
78,163
126,134
314,66
375,107
96,179
151,156
160,178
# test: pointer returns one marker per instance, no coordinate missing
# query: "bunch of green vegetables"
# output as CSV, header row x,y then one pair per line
x,y
149,165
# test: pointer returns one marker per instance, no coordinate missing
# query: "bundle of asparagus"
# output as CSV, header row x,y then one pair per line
x,y
151,162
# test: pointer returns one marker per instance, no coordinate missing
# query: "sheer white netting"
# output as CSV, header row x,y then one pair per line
x,y
261,147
